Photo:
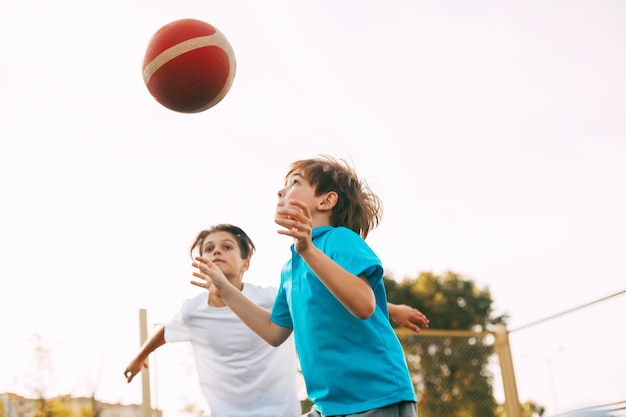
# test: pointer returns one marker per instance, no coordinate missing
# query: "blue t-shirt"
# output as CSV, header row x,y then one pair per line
x,y
349,365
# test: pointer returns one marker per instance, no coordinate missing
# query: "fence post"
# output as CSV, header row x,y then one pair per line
x,y
146,406
512,405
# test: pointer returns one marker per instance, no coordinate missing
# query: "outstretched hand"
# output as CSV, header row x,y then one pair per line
x,y
133,369
209,276
407,316
296,218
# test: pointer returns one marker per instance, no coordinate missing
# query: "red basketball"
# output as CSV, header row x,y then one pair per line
x,y
189,66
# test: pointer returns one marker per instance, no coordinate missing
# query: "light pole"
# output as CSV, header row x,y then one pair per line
x,y
548,362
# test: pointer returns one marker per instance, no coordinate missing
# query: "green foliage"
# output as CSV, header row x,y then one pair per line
x,y
59,407
56,407
449,301
451,374
93,410
532,409
529,409
192,409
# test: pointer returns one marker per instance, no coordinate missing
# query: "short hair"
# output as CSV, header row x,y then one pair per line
x,y
358,207
246,246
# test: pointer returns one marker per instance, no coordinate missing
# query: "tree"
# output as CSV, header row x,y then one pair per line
x,y
60,407
451,374
43,370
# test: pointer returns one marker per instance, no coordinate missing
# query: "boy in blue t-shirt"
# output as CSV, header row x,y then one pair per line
x,y
331,295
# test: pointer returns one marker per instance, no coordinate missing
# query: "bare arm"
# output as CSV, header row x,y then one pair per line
x,y
255,317
139,361
407,316
354,292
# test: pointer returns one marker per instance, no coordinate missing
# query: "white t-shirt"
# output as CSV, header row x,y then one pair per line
x,y
240,374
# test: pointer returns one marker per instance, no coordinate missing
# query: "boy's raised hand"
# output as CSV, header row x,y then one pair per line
x,y
296,218
209,276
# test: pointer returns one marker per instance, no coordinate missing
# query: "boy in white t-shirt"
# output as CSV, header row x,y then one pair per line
x,y
256,379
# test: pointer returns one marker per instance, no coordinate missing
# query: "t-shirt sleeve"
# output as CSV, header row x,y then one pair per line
x,y
280,311
350,251
176,330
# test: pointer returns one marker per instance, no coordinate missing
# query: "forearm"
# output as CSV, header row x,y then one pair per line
x,y
255,317
150,345
141,359
392,309
352,291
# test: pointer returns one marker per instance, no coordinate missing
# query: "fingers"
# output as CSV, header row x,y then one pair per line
x,y
201,263
421,319
202,284
285,221
198,284
412,327
206,274
424,319
204,266
411,318
200,275
294,208
129,375
294,213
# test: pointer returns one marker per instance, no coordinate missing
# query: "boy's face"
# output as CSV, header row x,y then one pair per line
x,y
222,249
297,188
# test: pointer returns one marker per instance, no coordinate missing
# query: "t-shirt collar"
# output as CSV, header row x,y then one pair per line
x,y
319,231
315,233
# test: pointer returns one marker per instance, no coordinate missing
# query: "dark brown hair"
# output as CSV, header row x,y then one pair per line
x,y
357,208
245,243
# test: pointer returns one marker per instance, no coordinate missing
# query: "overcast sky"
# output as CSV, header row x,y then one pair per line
x,y
493,131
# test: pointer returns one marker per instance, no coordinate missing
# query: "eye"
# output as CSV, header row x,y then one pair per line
x,y
209,249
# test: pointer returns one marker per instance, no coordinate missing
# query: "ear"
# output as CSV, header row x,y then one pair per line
x,y
246,265
328,201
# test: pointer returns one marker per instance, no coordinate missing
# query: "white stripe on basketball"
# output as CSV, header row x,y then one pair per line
x,y
217,39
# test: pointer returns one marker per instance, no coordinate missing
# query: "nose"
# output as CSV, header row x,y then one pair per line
x,y
281,193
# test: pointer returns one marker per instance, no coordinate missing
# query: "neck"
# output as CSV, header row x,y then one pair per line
x,y
321,221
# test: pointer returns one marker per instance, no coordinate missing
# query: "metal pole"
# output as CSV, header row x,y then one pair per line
x,y
146,409
503,349
156,369
552,385
548,362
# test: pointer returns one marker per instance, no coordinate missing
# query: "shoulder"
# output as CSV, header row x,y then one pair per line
x,y
335,233
344,232
199,300
342,237
348,248
259,294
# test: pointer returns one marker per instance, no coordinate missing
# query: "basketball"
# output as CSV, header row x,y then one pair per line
x,y
189,66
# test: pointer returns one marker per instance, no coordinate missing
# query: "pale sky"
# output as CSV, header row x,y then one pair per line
x,y
494,132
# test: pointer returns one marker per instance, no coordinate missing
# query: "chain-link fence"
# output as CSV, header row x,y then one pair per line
x,y
551,368
454,372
